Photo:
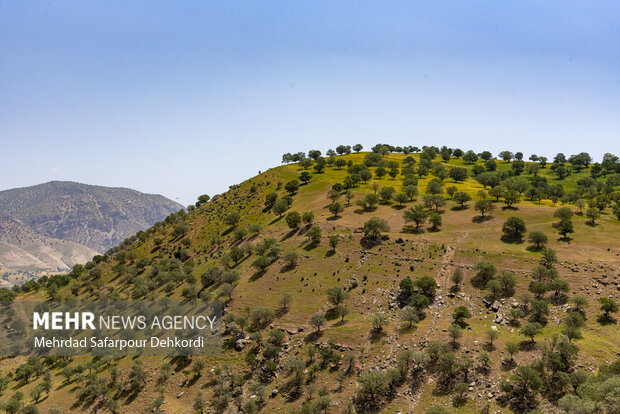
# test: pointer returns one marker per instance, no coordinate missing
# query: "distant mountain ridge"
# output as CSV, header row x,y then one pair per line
x,y
60,223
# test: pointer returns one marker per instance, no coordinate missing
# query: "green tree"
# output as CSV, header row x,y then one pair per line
x,y
461,198
280,206
514,228
427,286
538,239
435,220
512,349
484,207
333,241
485,271
232,219
460,314
314,235
458,174
409,314
317,321
336,295
335,208
593,213
293,219
292,186
608,306
374,227
417,214
457,277
531,329
455,332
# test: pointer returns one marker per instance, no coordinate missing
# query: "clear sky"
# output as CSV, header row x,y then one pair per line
x,y
188,97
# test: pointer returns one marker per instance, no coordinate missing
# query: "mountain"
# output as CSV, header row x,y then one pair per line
x,y
57,224
21,247
352,306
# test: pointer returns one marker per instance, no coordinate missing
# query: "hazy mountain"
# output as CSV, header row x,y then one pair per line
x,y
57,224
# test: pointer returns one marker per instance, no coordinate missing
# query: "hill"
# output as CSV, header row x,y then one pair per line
x,y
339,295
58,224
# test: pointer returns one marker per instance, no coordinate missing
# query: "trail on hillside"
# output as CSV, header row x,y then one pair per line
x,y
442,276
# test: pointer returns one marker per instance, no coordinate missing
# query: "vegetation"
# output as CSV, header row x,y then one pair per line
x,y
320,295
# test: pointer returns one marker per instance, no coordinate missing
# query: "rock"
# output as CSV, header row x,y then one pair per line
x,y
274,393
180,394
495,306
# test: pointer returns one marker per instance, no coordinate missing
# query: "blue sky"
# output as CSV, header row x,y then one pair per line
x,y
188,97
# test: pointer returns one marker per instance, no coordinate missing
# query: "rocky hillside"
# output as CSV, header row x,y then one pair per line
x,y
94,216
372,282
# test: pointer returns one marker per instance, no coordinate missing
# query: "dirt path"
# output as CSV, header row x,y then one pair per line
x,y
442,276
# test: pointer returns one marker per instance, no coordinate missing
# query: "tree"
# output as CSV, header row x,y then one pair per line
x,y
374,227
514,228
492,334
459,315
341,311
307,218
349,196
261,263
305,177
293,219
538,239
280,206
339,163
531,329
401,198
506,155
314,235
291,258
458,174
593,213
580,302
435,220
292,186
495,288
386,194
333,241
336,208
512,197
563,213
484,207
357,147
451,191
435,201
285,301
232,219
427,286
485,271
368,202
608,306
379,321
512,349
411,191
336,295
455,332
539,310
470,157
409,314
270,199
457,277
565,227
434,187
461,198
508,281
317,321
416,214
527,384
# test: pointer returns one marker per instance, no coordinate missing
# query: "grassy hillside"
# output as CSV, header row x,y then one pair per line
x,y
366,358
